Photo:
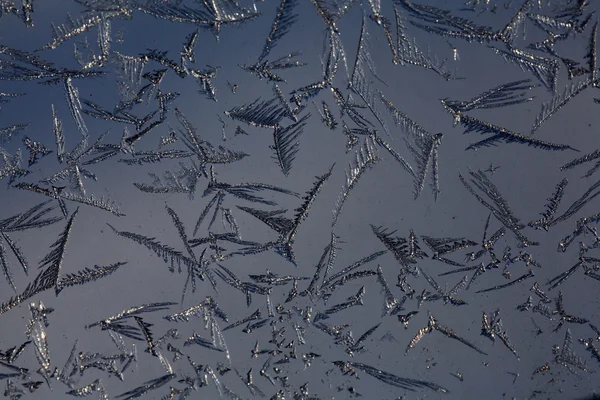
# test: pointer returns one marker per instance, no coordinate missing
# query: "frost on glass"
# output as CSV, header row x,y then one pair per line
x,y
323,199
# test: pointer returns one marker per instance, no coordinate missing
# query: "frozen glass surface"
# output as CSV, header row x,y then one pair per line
x,y
294,199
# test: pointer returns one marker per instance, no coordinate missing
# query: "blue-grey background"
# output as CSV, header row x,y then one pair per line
x,y
383,196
